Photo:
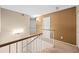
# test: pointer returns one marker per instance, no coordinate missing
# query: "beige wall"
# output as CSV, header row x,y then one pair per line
x,y
11,21
0,19
77,26
39,24
64,24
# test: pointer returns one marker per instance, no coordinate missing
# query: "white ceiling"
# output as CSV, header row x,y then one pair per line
x,y
35,10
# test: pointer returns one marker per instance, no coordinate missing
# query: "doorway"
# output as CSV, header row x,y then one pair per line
x,y
46,27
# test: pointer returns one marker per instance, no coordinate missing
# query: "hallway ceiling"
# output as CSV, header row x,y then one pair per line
x,y
35,10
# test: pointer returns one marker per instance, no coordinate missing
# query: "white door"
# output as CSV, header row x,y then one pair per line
x,y
46,27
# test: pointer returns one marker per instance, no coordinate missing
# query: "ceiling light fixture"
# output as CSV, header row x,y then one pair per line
x,y
34,16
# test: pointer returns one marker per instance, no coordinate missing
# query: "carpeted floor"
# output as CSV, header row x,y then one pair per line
x,y
61,47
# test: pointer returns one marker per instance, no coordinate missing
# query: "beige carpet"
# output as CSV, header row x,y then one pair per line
x,y
61,47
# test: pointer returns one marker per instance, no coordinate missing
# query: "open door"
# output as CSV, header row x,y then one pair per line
x,y
46,27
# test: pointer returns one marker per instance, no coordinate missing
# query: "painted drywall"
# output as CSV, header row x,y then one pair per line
x,y
11,21
77,26
39,24
63,23
0,19
35,10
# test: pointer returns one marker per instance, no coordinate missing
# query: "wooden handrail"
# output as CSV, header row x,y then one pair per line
x,y
8,43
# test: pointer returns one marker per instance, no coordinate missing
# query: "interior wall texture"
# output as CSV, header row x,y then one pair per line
x,y
63,23
0,19
77,26
13,21
39,24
